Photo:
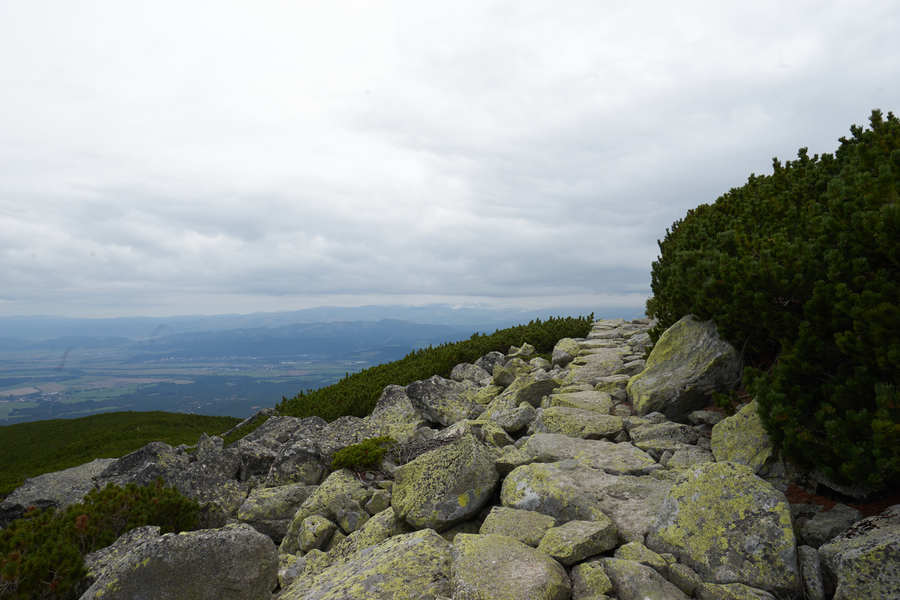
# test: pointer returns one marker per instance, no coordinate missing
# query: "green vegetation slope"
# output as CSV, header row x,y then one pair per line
x,y
800,270
29,449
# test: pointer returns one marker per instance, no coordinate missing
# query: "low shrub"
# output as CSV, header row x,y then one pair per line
x,y
42,553
363,456
800,270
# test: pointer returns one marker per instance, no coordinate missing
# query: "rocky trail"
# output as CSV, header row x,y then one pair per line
x,y
594,475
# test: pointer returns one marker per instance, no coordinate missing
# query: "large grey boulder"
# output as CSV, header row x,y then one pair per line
x,y
526,526
615,459
688,363
444,401
731,527
569,491
509,416
59,489
826,524
470,372
592,366
395,416
530,388
564,352
270,510
575,541
445,486
258,449
232,563
864,560
599,402
495,567
632,580
340,499
411,566
297,462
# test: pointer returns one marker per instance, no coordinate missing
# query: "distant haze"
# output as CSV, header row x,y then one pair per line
x,y
195,158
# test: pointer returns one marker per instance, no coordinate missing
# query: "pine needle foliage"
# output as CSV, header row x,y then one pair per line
x,y
800,270
42,553
357,393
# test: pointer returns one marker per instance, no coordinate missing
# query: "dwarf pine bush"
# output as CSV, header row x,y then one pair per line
x,y
800,270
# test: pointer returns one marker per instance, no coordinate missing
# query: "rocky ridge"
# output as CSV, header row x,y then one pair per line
x,y
595,475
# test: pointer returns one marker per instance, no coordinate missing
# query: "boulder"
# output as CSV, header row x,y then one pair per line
x,y
315,532
638,552
811,573
394,415
574,541
445,486
599,402
443,401
731,591
526,526
507,415
616,459
864,560
568,491
469,372
270,510
826,524
575,422
59,489
340,499
590,582
495,567
633,581
530,388
380,527
404,567
686,457
490,360
688,363
258,449
235,562
592,366
741,438
731,527
564,352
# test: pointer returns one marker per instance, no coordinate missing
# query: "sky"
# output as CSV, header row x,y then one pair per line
x,y
163,158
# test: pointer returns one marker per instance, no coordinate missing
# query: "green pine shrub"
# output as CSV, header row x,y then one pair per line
x,y
356,394
800,270
41,554
363,456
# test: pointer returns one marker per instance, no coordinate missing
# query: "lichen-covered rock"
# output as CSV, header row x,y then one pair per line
x,y
564,352
507,415
686,457
270,510
574,541
576,422
443,401
864,560
446,485
258,449
731,527
490,360
589,581
379,501
469,372
616,459
684,578
568,491
593,365
315,532
380,527
741,438
340,499
526,526
59,489
497,567
688,363
731,591
638,552
599,402
394,415
404,567
811,573
509,458
633,581
530,388
297,462
232,563
667,430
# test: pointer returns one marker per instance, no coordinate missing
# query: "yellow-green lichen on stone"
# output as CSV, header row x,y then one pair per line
x,y
526,526
576,422
427,490
404,567
730,526
576,540
589,581
498,567
742,438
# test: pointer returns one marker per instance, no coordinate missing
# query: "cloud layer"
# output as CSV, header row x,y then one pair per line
x,y
176,158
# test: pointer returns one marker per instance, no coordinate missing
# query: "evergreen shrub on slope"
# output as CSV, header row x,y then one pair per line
x,y
800,270
357,394
41,554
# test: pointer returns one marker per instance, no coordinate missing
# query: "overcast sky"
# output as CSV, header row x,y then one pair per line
x,y
193,157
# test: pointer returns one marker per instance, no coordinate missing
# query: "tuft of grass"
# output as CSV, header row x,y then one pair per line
x,y
29,449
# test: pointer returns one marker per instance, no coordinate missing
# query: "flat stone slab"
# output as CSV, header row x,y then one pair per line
x,y
615,459
526,526
599,402
576,422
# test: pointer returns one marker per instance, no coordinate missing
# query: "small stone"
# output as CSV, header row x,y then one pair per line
x,y
576,540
